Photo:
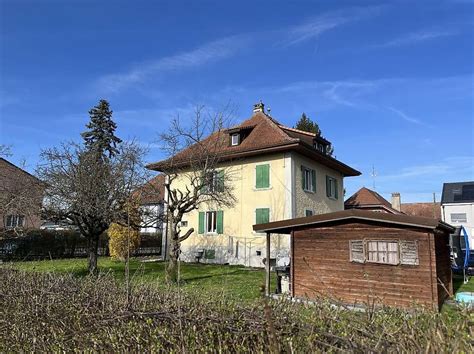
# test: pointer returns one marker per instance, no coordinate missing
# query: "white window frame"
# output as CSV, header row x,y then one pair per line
x,y
332,187
213,221
236,141
380,252
307,172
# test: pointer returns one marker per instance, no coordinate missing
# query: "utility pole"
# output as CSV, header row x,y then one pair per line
x,y
374,174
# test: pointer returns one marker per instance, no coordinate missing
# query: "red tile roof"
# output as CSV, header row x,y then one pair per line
x,y
265,135
430,210
365,197
153,192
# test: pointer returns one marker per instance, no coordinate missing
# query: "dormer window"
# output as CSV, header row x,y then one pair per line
x,y
235,139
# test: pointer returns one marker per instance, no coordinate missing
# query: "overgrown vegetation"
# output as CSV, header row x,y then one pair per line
x,y
51,312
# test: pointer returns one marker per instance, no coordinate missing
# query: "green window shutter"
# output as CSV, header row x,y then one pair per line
x,y
220,222
313,180
262,176
328,187
335,188
262,215
201,222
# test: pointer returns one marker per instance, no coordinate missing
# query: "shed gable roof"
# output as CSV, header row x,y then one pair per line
x,y
285,226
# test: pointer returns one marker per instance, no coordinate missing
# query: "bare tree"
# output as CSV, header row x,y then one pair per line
x,y
195,175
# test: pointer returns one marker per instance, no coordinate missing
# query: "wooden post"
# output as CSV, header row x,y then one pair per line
x,y
267,267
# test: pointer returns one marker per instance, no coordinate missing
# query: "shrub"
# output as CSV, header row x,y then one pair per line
x,y
53,313
120,239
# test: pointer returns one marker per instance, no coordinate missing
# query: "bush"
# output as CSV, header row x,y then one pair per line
x,y
122,240
52,313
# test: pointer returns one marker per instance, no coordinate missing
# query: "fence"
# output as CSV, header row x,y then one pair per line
x,y
45,244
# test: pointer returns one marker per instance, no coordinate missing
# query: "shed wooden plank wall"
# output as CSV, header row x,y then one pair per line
x,y
322,267
443,267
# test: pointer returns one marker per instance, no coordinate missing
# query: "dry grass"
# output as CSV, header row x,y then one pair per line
x,y
51,312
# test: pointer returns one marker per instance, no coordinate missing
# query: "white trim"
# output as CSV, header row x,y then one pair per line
x,y
232,139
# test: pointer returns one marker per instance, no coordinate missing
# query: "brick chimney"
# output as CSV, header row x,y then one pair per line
x,y
259,107
396,201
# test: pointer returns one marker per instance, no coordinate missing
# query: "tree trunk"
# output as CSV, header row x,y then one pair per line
x,y
93,251
174,251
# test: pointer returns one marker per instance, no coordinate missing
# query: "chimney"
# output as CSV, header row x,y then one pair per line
x,y
259,107
396,202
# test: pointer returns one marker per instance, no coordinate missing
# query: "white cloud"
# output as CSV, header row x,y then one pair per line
x,y
417,37
316,26
207,53
404,116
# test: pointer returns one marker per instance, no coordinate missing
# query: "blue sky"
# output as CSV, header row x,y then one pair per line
x,y
390,83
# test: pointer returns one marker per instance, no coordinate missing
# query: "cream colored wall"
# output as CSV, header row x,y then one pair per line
x,y
239,219
285,198
318,202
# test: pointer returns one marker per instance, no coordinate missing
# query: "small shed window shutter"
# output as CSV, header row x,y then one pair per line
x,y
220,222
201,222
313,180
328,186
409,252
357,251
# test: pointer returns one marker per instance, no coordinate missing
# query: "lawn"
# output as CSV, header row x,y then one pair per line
x,y
238,282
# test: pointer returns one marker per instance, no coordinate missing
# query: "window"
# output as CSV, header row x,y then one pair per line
x,y
15,221
458,217
262,215
214,182
211,222
308,212
382,252
235,139
331,188
308,179
262,178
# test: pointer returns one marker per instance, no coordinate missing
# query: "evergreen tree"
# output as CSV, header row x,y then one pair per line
x,y
100,136
308,125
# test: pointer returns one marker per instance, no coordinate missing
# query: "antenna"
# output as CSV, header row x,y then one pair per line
x,y
374,174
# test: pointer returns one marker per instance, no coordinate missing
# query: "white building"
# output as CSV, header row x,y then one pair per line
x,y
457,206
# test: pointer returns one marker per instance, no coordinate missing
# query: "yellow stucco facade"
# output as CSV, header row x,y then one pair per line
x,y
285,198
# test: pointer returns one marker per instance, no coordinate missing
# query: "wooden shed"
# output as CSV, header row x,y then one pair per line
x,y
365,257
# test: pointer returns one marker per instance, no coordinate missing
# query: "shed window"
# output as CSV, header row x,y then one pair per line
x,y
15,221
382,252
458,217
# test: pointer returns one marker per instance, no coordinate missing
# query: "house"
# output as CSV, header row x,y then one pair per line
x,y
277,173
21,196
365,257
457,206
151,199
367,199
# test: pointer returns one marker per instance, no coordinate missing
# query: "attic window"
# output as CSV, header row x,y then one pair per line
x,y
235,139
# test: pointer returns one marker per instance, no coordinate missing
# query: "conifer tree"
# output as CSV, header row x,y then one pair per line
x,y
308,125
100,137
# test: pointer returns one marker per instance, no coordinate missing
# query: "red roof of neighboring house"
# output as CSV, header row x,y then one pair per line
x,y
430,210
366,198
153,191
263,134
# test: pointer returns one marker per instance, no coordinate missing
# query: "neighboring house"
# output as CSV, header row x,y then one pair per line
x,y
369,258
277,173
151,199
367,199
21,196
427,210
457,206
